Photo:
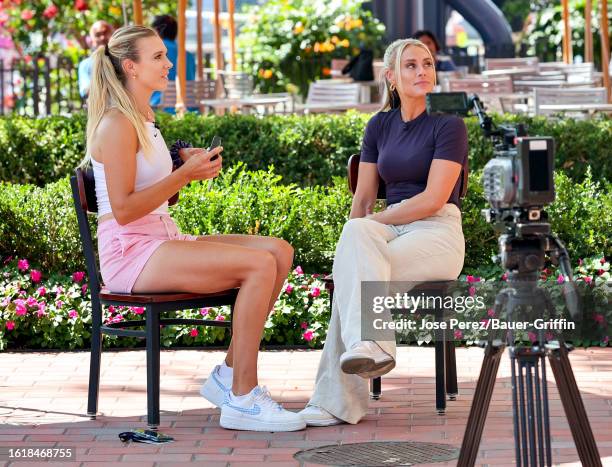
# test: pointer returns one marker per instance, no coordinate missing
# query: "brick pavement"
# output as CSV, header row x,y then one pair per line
x,y
43,398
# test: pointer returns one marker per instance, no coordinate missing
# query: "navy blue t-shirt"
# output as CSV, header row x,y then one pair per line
x,y
403,151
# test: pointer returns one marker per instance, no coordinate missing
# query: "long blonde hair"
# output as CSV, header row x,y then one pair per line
x,y
108,85
393,61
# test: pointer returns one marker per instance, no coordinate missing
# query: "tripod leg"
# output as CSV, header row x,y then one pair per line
x,y
480,406
574,408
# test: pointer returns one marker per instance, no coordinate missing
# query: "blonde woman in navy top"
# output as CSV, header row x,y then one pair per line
x,y
417,238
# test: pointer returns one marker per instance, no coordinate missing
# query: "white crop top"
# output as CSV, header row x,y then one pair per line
x,y
148,171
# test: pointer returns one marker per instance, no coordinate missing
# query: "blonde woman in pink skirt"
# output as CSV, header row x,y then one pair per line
x,y
140,247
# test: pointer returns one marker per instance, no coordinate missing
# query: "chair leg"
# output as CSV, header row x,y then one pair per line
x,y
153,350
94,358
375,388
452,389
440,374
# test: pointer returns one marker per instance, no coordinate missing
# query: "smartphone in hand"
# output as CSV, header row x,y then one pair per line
x,y
216,141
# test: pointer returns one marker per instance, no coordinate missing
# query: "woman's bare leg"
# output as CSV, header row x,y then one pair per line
x,y
280,249
206,267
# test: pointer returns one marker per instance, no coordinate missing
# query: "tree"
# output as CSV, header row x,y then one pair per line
x,y
289,43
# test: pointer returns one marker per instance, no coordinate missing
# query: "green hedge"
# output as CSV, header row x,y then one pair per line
x,y
307,150
40,223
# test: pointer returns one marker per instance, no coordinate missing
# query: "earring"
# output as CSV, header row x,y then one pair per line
x,y
134,76
392,87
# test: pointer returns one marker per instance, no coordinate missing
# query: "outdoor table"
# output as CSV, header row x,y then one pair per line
x,y
247,102
510,71
590,108
366,108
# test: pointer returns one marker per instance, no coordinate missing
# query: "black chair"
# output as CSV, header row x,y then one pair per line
x,y
446,366
84,195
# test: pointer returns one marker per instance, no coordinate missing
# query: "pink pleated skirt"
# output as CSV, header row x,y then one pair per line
x,y
125,249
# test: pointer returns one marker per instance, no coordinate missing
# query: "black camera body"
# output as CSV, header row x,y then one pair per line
x,y
521,176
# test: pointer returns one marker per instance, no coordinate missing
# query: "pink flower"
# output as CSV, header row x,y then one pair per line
x,y
560,279
6,301
78,276
59,304
605,340
299,271
220,318
600,272
580,262
10,325
472,291
35,275
50,12
288,288
458,334
31,302
308,335
139,310
315,292
472,279
532,336
204,311
73,314
81,5
20,310
599,318
84,289
41,291
193,332
549,336
27,15
588,279
491,312
23,265
504,276
602,261
111,309
314,276
117,319
41,310
304,325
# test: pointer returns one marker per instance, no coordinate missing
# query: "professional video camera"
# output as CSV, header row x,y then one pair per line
x,y
518,182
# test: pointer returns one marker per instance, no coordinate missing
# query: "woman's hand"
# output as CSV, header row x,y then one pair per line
x,y
199,165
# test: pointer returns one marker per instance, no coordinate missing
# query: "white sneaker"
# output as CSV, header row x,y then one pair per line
x,y
317,416
366,359
258,412
216,388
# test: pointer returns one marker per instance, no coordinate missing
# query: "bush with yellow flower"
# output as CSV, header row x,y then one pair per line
x,y
288,44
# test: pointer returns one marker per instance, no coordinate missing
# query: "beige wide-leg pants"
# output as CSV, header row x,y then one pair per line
x,y
429,249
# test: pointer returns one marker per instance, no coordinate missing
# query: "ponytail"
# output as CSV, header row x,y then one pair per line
x,y
108,86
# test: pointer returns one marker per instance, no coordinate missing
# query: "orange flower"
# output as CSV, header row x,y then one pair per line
x,y
267,74
298,29
326,71
317,47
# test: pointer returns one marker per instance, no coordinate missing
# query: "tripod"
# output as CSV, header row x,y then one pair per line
x,y
529,388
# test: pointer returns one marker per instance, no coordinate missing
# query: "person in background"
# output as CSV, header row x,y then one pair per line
x,y
167,28
99,34
443,62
